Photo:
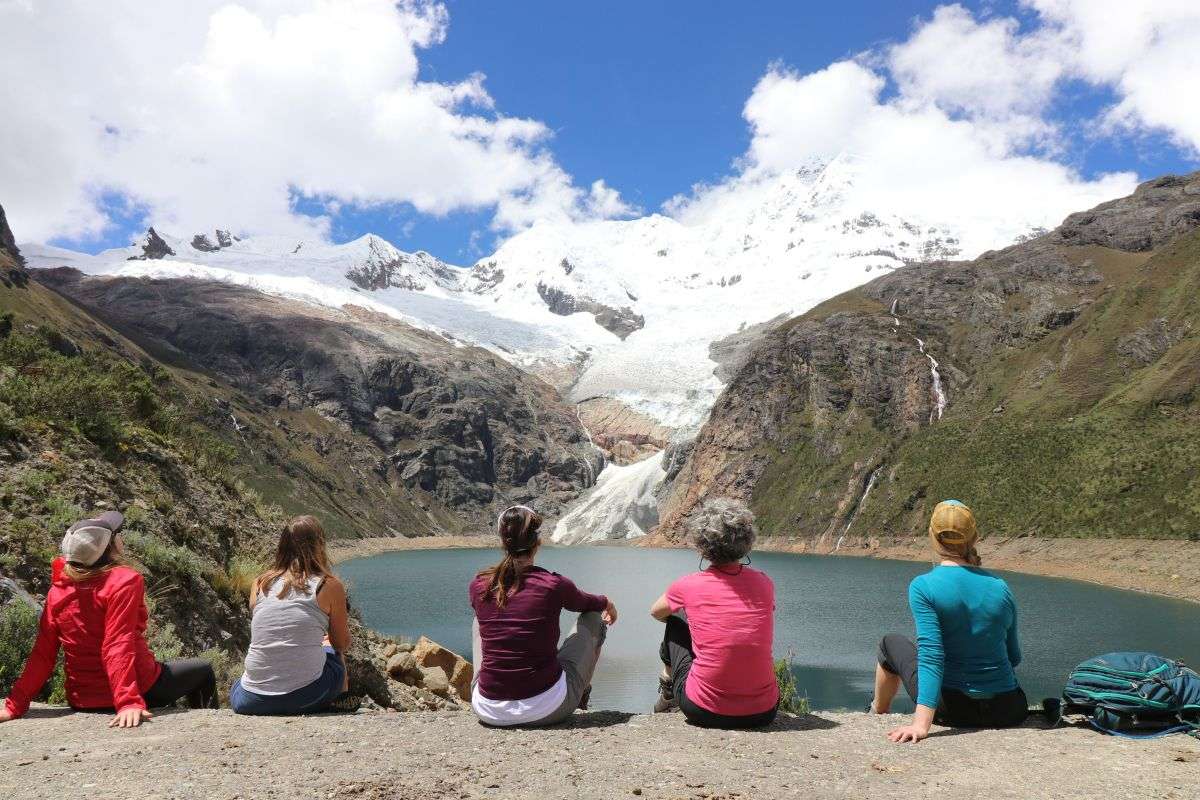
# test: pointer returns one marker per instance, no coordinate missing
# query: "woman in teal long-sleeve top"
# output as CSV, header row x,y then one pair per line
x,y
960,670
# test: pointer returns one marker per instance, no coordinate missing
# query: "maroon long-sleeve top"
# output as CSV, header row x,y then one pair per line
x,y
520,641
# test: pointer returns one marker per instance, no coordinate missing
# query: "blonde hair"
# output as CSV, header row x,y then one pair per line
x,y
109,561
300,556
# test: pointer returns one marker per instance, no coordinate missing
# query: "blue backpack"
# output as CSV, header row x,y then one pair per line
x,y
1135,694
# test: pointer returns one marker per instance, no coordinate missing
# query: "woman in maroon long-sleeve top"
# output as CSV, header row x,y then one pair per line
x,y
96,612
522,676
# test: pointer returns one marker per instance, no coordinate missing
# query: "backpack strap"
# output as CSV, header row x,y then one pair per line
x,y
1184,728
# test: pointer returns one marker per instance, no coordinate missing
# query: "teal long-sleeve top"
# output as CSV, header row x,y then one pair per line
x,y
966,633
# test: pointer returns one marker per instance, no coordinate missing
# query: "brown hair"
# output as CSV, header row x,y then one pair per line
x,y
300,556
518,529
110,560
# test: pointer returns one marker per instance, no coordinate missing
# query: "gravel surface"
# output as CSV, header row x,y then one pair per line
x,y
394,756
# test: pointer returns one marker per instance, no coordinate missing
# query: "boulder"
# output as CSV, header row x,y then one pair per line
x,y
401,666
457,669
435,680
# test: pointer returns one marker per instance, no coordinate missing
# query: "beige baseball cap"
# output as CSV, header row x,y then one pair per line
x,y
87,539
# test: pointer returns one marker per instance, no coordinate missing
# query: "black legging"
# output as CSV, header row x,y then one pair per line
x,y
676,652
190,678
898,655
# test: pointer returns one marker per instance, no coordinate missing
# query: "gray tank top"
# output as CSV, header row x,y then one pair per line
x,y
286,641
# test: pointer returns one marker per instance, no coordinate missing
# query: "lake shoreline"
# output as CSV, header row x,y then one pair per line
x,y
1163,567
346,549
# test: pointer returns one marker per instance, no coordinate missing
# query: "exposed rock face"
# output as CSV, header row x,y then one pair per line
x,y
619,321
154,247
832,427
8,243
623,434
201,242
12,272
732,352
457,424
1157,212
385,267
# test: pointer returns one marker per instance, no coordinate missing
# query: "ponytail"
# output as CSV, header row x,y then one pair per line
x,y
518,530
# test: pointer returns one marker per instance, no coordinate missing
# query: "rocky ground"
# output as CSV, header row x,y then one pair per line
x,y
391,756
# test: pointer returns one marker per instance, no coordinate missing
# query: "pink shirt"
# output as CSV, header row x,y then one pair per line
x,y
732,620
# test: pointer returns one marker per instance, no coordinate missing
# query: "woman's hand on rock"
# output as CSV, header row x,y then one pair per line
x,y
609,616
4,715
130,718
909,733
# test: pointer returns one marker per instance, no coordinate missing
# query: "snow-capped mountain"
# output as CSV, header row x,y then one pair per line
x,y
625,309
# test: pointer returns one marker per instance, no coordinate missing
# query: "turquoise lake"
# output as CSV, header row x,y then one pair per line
x,y
831,613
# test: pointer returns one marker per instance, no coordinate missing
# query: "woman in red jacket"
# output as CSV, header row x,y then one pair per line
x,y
96,612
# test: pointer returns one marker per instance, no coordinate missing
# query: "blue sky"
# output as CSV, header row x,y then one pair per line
x,y
648,96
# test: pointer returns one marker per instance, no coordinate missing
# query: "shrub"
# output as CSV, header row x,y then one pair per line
x,y
161,636
63,513
237,578
162,559
227,667
96,394
18,629
10,424
790,699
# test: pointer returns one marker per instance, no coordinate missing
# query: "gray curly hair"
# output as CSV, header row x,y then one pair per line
x,y
722,530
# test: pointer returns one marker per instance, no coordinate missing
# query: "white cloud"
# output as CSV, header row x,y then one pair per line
x,y
1147,52
210,113
957,122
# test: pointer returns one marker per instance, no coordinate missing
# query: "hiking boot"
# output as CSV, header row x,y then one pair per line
x,y
666,697
345,702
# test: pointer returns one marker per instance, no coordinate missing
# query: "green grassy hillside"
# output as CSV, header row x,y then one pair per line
x,y
1088,430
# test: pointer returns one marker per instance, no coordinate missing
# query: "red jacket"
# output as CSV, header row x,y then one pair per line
x,y
101,625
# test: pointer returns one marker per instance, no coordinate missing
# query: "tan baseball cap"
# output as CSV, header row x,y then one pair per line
x,y
953,523
87,539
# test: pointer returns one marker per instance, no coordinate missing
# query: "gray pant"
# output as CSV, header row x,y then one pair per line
x,y
577,656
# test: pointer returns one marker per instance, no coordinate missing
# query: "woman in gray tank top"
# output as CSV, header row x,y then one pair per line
x,y
298,631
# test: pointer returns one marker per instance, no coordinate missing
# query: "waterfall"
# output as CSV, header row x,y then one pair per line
x,y
892,311
592,444
939,394
858,507
240,429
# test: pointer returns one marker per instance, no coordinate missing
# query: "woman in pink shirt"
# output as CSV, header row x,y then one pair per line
x,y
720,622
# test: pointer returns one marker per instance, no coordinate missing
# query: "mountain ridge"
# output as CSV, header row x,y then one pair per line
x,y
1069,362
624,309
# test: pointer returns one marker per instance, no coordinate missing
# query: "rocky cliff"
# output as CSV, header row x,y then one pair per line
x,y
1051,385
11,264
456,429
